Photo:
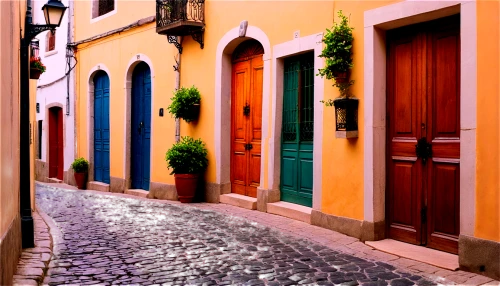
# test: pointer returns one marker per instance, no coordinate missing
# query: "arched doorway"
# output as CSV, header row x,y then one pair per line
x,y
56,151
141,127
246,117
101,127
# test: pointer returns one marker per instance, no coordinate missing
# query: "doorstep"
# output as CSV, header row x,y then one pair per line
x,y
98,186
419,253
137,193
239,201
290,210
54,180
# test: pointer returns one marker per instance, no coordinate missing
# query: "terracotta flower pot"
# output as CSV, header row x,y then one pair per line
x,y
81,180
186,186
342,77
35,73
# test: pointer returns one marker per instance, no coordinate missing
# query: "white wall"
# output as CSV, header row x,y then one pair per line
x,y
52,85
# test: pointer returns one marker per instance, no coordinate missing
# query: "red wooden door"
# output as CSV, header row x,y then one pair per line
x,y
424,134
246,118
56,157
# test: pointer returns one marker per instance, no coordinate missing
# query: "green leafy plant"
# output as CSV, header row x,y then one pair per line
x,y
183,101
80,165
337,51
188,156
36,63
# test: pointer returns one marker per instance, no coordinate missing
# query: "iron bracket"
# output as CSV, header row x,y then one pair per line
x,y
198,37
173,40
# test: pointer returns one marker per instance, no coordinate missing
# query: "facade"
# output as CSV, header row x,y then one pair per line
x,y
373,186
55,114
10,220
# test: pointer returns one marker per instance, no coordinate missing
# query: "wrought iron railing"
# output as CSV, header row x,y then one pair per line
x,y
171,11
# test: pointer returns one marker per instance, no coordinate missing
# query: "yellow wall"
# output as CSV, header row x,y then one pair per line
x,y
488,121
343,161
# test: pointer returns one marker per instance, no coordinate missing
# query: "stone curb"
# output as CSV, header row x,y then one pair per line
x,y
56,236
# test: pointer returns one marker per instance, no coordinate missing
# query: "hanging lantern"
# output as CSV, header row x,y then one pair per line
x,y
35,48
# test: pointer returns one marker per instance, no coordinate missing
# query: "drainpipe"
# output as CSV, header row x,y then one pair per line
x,y
177,86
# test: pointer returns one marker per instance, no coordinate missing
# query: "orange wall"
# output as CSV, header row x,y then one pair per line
x,y
488,121
343,163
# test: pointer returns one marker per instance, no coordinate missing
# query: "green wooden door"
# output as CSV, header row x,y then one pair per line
x,y
297,130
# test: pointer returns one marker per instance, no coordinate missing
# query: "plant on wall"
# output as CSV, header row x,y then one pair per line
x,y
185,103
338,55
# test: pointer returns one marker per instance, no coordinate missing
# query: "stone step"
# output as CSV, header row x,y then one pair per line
x,y
54,180
137,192
98,186
419,253
290,210
239,201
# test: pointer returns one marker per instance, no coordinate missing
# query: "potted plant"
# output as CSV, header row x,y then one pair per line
x,y
36,68
338,55
187,158
337,51
80,167
185,104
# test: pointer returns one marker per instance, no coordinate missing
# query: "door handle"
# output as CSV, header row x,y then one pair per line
x,y
248,146
423,149
246,109
141,125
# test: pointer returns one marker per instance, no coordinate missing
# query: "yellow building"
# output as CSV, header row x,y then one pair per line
x,y
422,69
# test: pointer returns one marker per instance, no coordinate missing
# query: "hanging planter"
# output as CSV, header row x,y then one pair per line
x,y
35,73
346,117
36,68
186,104
338,54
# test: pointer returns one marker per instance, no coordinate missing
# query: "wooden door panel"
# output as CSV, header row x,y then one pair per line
x,y
446,99
404,197
256,100
404,93
444,205
60,145
53,148
241,83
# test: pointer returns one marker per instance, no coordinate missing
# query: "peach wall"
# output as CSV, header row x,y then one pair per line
x,y
488,121
9,113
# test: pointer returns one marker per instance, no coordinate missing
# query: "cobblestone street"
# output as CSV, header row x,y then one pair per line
x,y
116,240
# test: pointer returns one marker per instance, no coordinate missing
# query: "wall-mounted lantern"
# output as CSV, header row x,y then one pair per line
x,y
346,117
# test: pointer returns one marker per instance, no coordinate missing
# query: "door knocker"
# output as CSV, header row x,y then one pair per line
x,y
246,109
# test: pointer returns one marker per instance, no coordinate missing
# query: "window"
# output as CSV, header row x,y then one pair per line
x,y
39,139
50,41
101,7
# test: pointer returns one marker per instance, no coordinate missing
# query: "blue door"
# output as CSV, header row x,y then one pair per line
x,y
141,126
101,127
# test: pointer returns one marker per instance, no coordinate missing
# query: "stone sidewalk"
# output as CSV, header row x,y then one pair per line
x,y
34,262
348,256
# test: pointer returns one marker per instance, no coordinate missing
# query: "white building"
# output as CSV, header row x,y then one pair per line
x,y
55,117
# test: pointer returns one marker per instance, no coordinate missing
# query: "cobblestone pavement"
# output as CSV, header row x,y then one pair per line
x,y
117,240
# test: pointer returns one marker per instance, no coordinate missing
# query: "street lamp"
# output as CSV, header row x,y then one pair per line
x,y
53,12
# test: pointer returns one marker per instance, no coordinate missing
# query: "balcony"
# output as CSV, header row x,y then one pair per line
x,y
180,18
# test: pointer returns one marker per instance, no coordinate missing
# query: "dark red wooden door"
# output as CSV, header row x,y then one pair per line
x,y
246,118
56,157
424,134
